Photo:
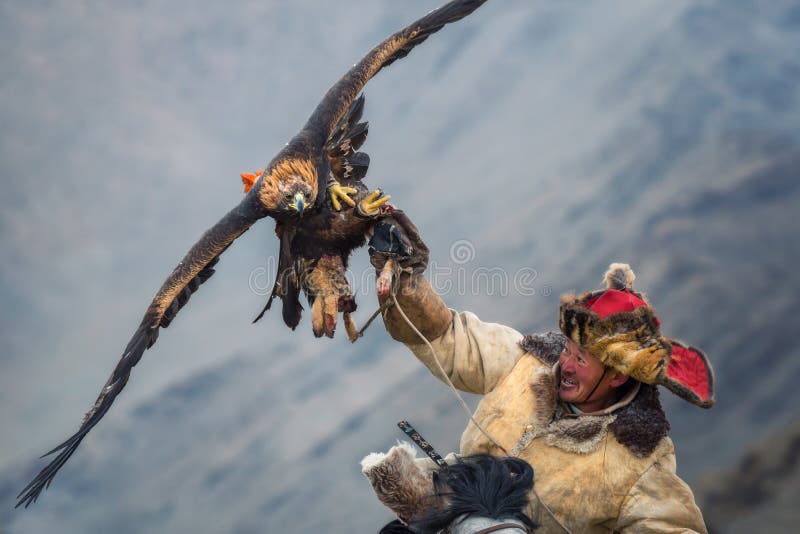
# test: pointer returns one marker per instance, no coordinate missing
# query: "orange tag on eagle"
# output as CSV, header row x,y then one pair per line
x,y
249,179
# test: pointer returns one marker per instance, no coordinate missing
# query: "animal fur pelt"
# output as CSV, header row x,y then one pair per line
x,y
401,483
547,347
642,424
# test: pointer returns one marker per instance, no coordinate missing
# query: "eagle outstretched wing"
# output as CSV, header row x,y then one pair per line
x,y
195,268
338,99
198,264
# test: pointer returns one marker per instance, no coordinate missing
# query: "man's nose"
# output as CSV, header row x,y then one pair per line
x,y
567,363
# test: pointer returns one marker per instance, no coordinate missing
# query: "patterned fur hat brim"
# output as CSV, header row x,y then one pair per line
x,y
630,341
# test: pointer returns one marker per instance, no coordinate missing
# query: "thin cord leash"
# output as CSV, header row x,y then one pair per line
x,y
447,378
369,321
464,404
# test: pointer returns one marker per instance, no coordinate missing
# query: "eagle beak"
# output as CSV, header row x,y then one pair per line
x,y
298,203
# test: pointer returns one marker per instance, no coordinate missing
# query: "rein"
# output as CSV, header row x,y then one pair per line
x,y
501,526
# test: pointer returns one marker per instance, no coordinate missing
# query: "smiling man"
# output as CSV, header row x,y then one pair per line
x,y
586,385
580,405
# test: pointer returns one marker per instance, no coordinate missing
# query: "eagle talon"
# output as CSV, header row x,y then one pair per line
x,y
339,194
371,206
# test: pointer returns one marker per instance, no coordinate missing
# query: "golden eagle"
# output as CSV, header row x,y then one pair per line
x,y
316,237
314,247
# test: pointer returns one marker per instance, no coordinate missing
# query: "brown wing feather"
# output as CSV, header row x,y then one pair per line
x,y
337,100
347,165
195,268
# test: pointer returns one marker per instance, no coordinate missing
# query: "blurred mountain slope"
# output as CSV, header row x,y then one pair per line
x,y
760,492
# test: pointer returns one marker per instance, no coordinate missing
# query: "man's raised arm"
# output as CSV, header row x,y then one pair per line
x,y
475,355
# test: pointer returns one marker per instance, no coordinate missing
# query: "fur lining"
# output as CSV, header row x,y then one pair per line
x,y
639,426
642,424
585,327
628,341
543,384
545,347
580,435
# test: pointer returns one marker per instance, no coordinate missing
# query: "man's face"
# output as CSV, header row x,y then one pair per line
x,y
580,372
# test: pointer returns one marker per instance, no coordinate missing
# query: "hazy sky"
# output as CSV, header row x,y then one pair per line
x,y
549,136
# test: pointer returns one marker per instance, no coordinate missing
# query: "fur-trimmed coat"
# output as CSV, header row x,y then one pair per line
x,y
612,471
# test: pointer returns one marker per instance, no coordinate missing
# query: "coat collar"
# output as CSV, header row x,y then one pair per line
x,y
637,421
626,399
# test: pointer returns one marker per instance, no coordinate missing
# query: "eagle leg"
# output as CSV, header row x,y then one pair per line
x,y
328,286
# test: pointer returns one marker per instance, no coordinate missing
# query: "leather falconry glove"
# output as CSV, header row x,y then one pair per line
x,y
400,257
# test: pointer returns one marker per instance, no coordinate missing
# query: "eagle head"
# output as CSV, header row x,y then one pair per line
x,y
290,187
297,196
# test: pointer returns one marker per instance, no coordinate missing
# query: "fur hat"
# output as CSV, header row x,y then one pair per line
x,y
619,327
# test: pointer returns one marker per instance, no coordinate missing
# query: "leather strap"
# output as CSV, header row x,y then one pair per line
x,y
501,526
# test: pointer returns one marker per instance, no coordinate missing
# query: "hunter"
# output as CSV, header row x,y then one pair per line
x,y
580,405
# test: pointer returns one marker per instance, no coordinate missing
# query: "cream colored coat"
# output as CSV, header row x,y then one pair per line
x,y
593,484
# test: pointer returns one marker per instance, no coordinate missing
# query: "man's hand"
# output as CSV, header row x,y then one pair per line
x,y
397,251
396,247
396,238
